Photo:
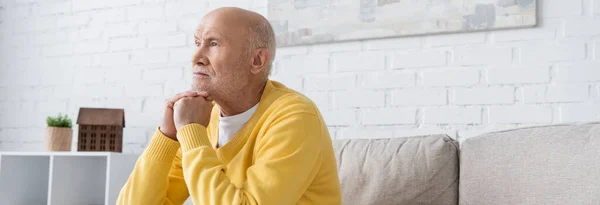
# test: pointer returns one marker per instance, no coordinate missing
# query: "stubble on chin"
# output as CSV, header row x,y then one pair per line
x,y
200,86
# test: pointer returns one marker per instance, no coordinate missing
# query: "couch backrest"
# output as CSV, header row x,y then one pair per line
x,y
416,170
558,164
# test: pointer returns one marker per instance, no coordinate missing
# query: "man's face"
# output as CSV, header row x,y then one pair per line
x,y
220,62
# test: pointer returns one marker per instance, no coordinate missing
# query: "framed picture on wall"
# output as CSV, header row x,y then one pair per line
x,y
301,22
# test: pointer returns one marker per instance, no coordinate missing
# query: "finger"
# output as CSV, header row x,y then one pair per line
x,y
186,94
182,99
181,95
169,104
174,99
202,93
177,103
200,97
190,93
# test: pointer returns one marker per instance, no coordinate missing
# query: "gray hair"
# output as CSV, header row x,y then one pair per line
x,y
263,36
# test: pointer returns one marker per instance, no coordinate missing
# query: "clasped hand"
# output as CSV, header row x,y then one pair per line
x,y
183,109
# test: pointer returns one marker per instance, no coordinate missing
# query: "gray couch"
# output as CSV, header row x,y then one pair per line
x,y
557,164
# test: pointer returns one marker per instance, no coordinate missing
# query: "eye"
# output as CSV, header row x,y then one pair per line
x,y
213,43
197,43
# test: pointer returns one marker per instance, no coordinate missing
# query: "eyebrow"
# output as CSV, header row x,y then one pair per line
x,y
211,36
208,38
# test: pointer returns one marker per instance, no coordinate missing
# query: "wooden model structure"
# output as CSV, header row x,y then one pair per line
x,y
100,129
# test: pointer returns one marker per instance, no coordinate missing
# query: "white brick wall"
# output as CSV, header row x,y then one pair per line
x,y
157,27
126,29
329,82
409,131
181,55
580,27
548,31
121,3
410,59
336,48
420,96
455,39
534,94
597,49
302,65
148,57
371,132
577,112
478,55
152,11
520,114
88,5
451,77
518,75
49,8
382,80
359,98
484,96
538,52
579,72
177,40
388,116
57,56
163,74
560,8
399,43
340,117
557,93
111,59
185,8
568,93
355,61
451,115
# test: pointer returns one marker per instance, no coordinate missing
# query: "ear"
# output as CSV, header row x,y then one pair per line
x,y
260,57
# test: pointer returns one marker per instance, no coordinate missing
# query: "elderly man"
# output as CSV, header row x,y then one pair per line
x,y
262,144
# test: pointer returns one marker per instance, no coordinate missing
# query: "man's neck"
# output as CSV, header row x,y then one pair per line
x,y
242,101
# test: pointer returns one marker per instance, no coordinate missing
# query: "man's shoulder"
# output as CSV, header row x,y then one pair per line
x,y
290,100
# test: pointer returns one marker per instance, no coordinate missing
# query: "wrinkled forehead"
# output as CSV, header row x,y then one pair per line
x,y
225,26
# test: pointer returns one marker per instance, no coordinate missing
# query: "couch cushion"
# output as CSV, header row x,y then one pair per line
x,y
416,170
557,164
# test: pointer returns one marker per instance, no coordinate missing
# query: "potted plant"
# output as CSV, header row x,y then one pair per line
x,y
58,133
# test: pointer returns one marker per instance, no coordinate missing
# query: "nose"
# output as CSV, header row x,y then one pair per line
x,y
199,58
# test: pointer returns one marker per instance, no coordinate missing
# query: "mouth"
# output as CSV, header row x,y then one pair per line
x,y
200,74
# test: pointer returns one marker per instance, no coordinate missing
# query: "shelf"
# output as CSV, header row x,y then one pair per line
x,y
24,179
63,178
78,180
59,153
119,169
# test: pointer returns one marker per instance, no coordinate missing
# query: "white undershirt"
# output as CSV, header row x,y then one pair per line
x,y
230,125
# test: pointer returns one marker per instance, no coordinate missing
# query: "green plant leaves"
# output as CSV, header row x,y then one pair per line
x,y
59,121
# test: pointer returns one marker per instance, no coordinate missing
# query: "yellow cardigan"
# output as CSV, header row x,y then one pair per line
x,y
283,155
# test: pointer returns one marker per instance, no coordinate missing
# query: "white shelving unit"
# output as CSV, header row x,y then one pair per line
x,y
63,178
